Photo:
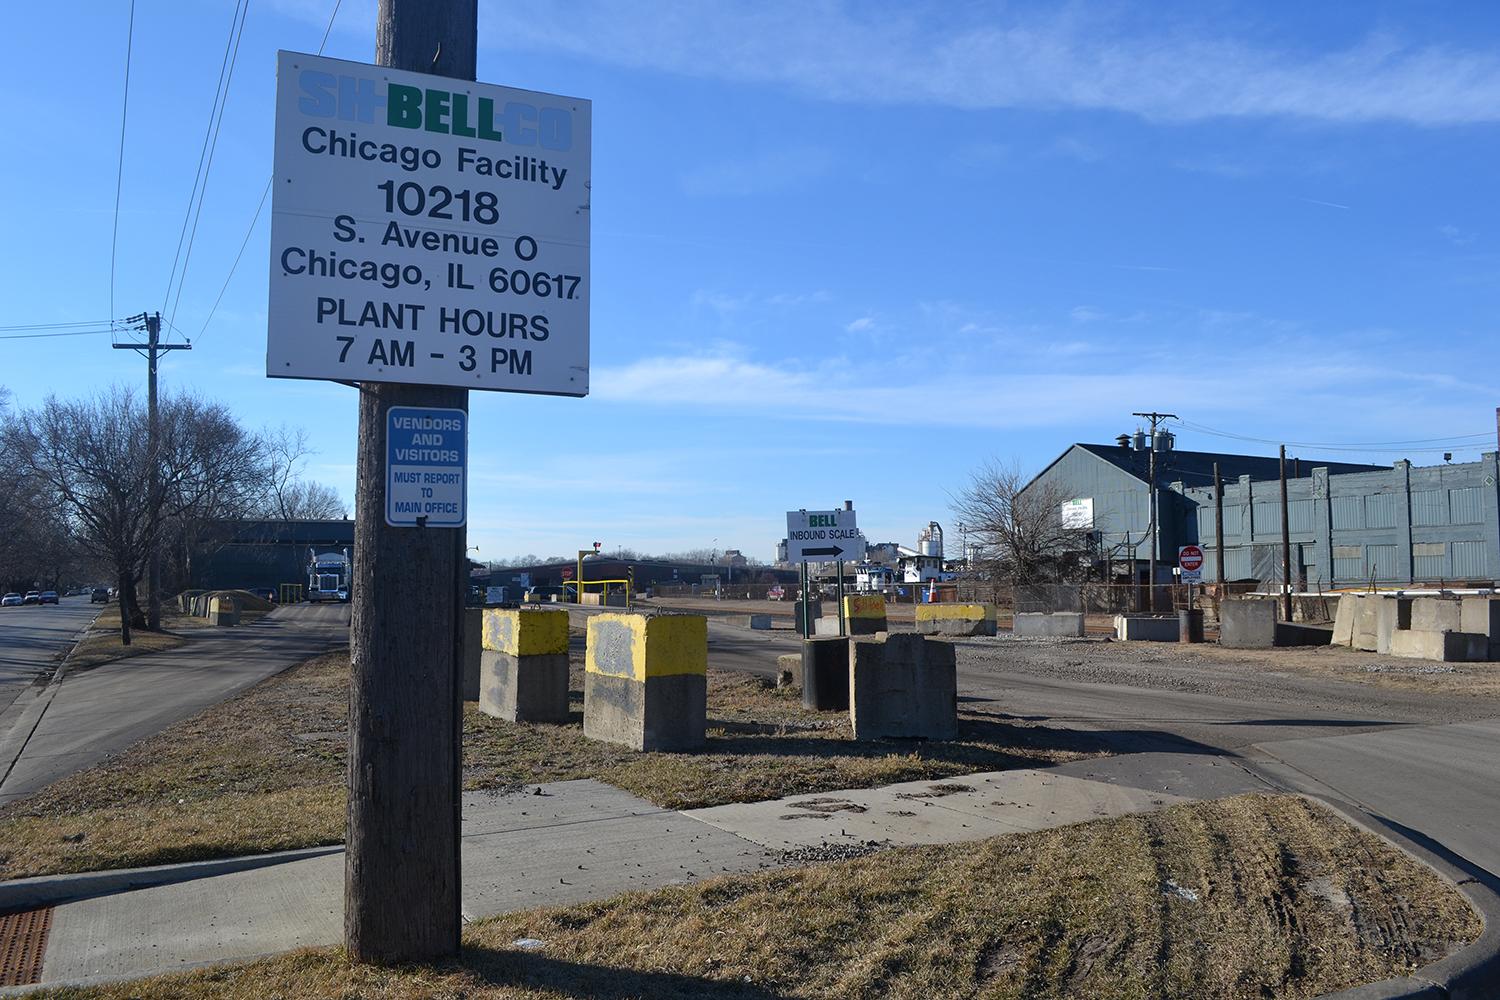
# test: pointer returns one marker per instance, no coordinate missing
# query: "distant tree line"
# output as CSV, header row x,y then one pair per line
x,y
84,500
702,557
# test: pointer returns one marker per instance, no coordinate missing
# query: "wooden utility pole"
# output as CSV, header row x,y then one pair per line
x,y
153,348
1219,528
1155,509
401,870
1286,547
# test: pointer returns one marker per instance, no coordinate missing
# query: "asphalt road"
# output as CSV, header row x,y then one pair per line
x,y
99,711
32,637
1425,764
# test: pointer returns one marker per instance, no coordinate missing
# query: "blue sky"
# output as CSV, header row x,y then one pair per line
x,y
845,251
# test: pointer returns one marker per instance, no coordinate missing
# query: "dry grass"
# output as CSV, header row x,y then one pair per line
x,y
1239,899
101,644
265,770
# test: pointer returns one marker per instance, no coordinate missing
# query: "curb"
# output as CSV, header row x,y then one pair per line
x,y
23,894
1472,972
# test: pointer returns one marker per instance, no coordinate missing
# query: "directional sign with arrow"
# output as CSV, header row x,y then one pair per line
x,y
822,536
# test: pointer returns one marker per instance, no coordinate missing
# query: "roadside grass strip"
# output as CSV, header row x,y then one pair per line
x,y
1245,898
264,771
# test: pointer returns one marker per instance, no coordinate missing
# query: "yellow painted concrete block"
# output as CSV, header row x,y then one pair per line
x,y
525,632
642,646
864,606
955,612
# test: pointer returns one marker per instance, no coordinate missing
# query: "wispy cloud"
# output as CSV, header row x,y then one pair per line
x,y
765,172
860,325
1456,236
1325,204
982,57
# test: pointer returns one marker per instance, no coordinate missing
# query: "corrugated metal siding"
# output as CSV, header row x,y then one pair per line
x,y
1236,564
1429,561
1267,518
1234,521
1468,559
1380,510
1348,563
1428,508
1300,516
1348,513
1205,524
1381,561
1466,506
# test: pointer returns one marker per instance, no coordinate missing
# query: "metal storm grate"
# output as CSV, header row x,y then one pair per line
x,y
23,939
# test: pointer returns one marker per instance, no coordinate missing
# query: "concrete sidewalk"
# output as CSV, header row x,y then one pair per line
x,y
99,711
574,841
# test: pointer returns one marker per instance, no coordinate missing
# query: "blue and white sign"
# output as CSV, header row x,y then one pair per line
x,y
426,460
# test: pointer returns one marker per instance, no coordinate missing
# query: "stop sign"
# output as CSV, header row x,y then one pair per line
x,y
1190,558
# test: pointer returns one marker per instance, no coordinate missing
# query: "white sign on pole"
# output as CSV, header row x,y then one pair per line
x,y
822,536
428,230
425,467
1078,513
1190,563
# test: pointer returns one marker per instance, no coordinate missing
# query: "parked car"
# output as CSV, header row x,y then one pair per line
x,y
48,597
265,593
99,595
33,597
776,593
10,601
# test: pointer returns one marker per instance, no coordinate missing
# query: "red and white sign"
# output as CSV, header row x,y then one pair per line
x,y
1190,561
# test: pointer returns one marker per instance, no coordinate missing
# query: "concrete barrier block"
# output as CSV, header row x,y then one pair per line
x,y
1392,615
904,686
1343,620
523,664
223,611
864,614
524,688
1064,624
825,674
1446,647
1146,628
525,631
760,623
1480,616
1247,624
473,646
826,628
1367,624
813,609
1437,614
646,683
791,665
956,619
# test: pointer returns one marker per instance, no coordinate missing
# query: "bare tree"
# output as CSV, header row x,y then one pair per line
x,y
90,457
1019,527
287,495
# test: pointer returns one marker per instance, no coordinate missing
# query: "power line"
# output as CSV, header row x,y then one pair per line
x,y
187,215
235,266
55,326
114,238
1460,440
327,30
57,333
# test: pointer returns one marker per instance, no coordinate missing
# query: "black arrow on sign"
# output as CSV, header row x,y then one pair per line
x,y
832,551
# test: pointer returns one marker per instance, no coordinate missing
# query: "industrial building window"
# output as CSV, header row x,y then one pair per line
x,y
1469,561
1380,510
1300,517
1267,518
1428,508
1466,506
1427,561
1381,562
1348,563
1348,512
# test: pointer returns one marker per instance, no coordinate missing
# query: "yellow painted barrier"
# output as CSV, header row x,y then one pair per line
x,y
525,632
641,646
955,612
864,606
